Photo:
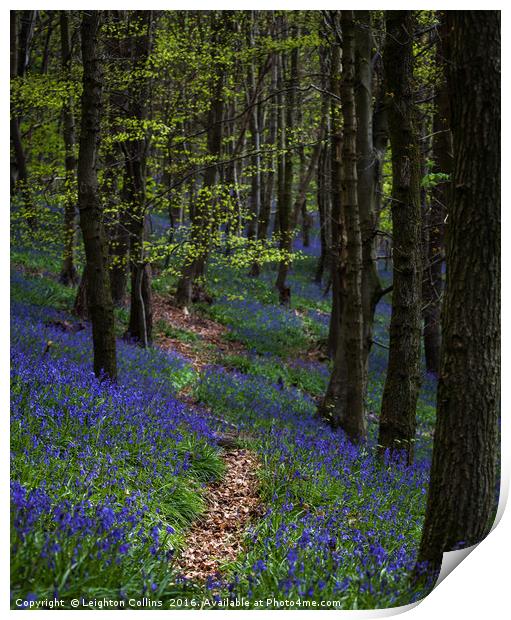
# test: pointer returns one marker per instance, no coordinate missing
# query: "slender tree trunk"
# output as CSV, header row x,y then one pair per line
x,y
201,224
345,407
22,30
46,50
255,130
323,213
118,234
80,305
323,196
267,193
99,298
286,187
140,320
433,283
68,272
462,495
367,172
338,233
397,420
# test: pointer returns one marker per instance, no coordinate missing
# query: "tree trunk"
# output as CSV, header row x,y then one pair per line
x,y
286,189
338,233
80,305
21,38
140,320
399,401
323,212
68,272
433,284
369,164
322,184
347,411
201,224
267,193
99,298
463,488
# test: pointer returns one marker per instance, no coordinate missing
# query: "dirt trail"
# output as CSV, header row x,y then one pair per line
x,y
210,333
231,503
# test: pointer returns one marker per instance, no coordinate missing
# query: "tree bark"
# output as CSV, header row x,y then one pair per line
x,y
201,223
68,272
345,408
140,323
338,233
433,283
263,221
21,38
399,401
368,165
322,181
462,495
286,186
99,298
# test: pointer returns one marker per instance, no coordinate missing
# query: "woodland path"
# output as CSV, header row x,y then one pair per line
x,y
217,537
232,502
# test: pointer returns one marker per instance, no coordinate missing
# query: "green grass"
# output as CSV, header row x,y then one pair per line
x,y
307,379
177,333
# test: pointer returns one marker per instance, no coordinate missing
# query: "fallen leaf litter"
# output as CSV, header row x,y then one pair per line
x,y
217,537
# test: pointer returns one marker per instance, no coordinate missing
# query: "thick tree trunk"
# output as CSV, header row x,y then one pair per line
x,y
397,420
463,488
99,298
68,272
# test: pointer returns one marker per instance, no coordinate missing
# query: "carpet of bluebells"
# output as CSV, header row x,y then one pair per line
x,y
106,479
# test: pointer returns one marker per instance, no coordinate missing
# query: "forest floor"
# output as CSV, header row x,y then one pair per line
x,y
217,537
286,508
